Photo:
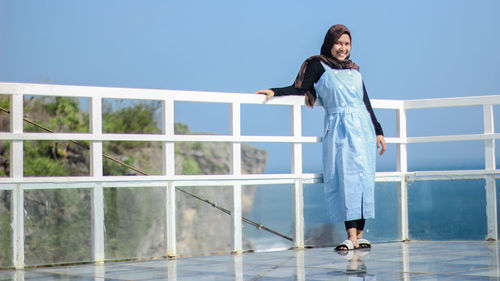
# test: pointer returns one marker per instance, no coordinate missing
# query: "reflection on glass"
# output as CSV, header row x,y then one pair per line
x,y
447,210
272,207
172,270
405,261
134,222
238,267
356,267
5,229
202,229
299,265
493,258
56,226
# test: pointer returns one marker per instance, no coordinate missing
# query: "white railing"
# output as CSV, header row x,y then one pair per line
x,y
169,180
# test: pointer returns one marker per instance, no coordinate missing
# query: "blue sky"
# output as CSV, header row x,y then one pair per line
x,y
406,50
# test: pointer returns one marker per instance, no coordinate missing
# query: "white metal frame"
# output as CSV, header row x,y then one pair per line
x,y
169,181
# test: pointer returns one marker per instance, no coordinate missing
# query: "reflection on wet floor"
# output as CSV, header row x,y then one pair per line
x,y
429,260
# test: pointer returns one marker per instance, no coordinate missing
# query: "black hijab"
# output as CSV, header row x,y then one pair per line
x,y
325,56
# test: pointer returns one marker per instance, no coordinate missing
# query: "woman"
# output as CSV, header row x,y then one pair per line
x,y
352,132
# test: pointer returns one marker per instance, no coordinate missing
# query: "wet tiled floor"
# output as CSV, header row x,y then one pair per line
x,y
429,260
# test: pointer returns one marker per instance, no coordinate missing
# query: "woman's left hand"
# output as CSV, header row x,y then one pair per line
x,y
381,144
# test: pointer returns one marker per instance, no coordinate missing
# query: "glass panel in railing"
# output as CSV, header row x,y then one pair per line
x,y
385,225
4,127
266,158
134,222
498,200
457,155
265,120
5,229
202,229
130,116
271,206
320,232
447,210
132,158
445,121
56,114
4,158
57,226
56,158
200,118
4,113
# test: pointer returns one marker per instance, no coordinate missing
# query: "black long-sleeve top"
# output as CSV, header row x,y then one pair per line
x,y
313,74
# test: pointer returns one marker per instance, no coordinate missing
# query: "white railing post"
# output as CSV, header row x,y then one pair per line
x,y
402,166
235,167
490,165
96,166
297,191
170,230
17,171
169,170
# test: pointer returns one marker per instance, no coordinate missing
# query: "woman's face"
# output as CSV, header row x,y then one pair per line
x,y
342,48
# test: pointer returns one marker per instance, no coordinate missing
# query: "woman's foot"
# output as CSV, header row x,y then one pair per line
x,y
345,246
363,243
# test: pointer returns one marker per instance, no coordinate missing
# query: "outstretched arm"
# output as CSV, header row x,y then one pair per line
x,y
312,75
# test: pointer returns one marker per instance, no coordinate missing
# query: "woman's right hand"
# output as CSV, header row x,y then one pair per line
x,y
269,93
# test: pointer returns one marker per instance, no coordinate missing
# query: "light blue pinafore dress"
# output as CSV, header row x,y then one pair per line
x,y
349,146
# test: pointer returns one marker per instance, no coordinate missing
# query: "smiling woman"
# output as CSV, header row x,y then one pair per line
x,y
352,133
